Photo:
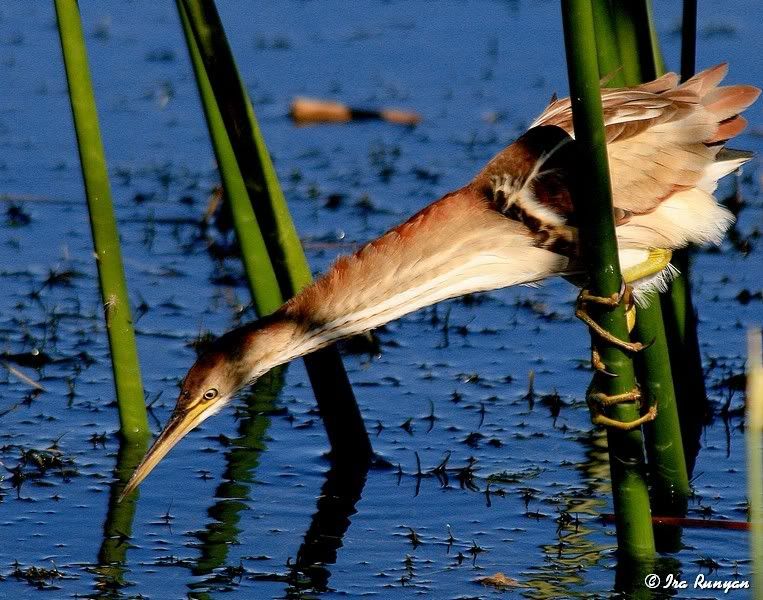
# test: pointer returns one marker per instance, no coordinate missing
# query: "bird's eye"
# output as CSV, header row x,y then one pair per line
x,y
210,394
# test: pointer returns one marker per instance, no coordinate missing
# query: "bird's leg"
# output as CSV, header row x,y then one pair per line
x,y
657,260
598,401
624,295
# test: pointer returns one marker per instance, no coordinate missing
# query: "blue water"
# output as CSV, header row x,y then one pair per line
x,y
478,72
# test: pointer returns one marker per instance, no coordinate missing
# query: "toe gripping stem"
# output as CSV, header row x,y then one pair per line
x,y
581,312
598,401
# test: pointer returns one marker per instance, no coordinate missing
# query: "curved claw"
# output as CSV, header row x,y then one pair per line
x,y
598,364
597,401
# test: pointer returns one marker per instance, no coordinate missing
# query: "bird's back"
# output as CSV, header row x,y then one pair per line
x,y
664,143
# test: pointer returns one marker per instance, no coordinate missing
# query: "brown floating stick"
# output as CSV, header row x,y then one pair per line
x,y
313,110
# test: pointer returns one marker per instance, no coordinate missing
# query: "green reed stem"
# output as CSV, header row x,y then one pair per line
x,y
260,178
667,465
678,306
263,284
607,46
336,402
624,14
593,205
665,447
119,324
754,440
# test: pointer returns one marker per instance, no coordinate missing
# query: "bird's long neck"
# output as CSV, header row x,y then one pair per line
x,y
457,245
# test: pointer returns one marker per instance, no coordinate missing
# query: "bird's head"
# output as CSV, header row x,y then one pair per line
x,y
230,363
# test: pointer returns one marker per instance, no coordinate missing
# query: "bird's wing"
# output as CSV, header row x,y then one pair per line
x,y
455,246
662,137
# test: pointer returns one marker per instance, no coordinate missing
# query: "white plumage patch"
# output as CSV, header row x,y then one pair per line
x,y
690,216
644,289
718,170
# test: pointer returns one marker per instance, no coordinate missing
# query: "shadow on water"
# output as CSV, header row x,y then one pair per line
x,y
310,573
336,504
117,528
233,492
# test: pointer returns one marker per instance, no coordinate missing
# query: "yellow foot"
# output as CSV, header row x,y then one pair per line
x,y
624,295
597,401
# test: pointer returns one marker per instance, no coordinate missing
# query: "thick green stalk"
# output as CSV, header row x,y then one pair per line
x,y
336,402
677,304
263,284
623,14
754,440
670,481
665,447
637,39
685,357
593,205
119,325
256,166
607,47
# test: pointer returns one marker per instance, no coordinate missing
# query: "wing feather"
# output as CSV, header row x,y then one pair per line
x,y
659,133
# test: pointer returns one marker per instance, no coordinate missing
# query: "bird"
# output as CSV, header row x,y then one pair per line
x,y
513,223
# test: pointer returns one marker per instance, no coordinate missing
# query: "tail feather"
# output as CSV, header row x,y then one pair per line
x,y
727,161
728,101
728,129
709,78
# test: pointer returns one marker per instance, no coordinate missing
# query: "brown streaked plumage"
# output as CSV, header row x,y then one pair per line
x,y
512,224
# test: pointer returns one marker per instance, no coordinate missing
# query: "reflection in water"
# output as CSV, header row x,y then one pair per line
x,y
567,560
336,504
117,528
232,493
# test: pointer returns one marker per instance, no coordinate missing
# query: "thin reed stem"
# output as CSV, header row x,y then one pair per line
x,y
677,304
665,447
607,46
667,465
754,441
119,324
688,39
263,284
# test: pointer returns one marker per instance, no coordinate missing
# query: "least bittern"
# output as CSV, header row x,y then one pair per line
x,y
512,224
